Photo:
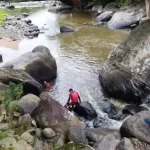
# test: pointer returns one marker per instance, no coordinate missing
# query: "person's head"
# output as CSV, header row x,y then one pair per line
x,y
45,82
70,90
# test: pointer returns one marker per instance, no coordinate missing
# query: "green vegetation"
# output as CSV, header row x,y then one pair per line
x,y
14,92
2,135
3,15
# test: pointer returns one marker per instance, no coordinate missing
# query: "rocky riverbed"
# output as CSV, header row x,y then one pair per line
x,y
17,28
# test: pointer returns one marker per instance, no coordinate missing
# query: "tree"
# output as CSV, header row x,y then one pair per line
x,y
148,8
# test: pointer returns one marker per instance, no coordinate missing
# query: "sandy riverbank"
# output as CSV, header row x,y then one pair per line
x,y
14,45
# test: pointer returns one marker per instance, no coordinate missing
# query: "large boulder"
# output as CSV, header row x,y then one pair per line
x,y
39,63
133,109
86,110
127,16
51,114
28,103
18,76
125,74
136,127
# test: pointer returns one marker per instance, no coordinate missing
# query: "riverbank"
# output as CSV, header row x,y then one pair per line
x,y
14,45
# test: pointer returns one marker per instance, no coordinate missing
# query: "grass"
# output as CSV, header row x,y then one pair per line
x,y
3,15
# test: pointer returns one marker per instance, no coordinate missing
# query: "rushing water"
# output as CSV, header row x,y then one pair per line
x,y
79,55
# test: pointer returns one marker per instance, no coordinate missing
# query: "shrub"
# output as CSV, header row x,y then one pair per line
x,y
3,15
2,135
14,92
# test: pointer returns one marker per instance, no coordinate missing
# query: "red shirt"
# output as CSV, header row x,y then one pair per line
x,y
47,85
74,96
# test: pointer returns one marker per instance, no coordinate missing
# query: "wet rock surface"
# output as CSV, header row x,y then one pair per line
x,y
16,28
64,29
86,110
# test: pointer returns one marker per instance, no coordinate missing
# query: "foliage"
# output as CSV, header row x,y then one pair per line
x,y
3,15
2,135
14,92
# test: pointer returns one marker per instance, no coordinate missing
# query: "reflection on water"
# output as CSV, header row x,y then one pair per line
x,y
78,55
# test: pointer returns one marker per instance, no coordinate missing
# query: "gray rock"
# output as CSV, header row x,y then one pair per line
x,y
77,135
105,16
38,145
64,29
1,58
39,63
10,7
86,110
108,142
97,134
62,121
28,138
48,133
136,127
25,14
125,144
60,9
24,120
38,132
34,33
98,8
28,21
4,126
133,109
99,24
28,103
139,145
127,16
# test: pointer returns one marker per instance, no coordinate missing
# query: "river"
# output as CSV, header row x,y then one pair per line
x,y
79,55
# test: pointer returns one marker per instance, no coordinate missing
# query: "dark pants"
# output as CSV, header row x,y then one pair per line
x,y
71,106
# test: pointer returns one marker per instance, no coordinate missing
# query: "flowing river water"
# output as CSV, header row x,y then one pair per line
x,y
79,55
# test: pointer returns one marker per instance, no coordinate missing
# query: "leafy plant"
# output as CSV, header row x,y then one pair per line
x,y
3,15
2,135
14,92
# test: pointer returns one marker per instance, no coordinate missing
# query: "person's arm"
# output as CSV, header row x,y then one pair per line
x,y
68,100
79,99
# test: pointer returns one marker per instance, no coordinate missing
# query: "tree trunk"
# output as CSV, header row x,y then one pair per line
x,y
148,8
